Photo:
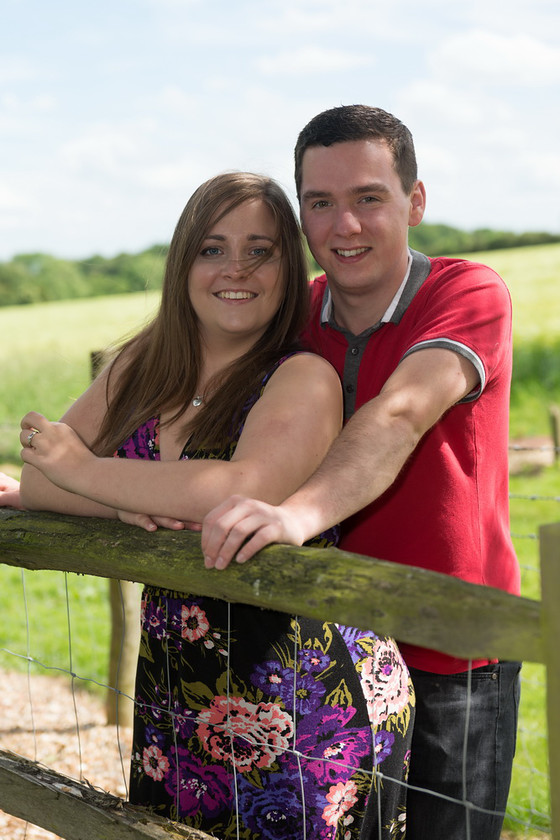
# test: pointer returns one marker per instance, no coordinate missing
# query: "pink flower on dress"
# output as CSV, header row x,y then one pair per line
x,y
255,733
341,796
143,611
385,682
155,763
194,624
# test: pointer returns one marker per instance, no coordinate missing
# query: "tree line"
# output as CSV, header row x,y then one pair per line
x,y
34,278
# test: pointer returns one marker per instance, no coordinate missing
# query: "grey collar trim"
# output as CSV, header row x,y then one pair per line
x,y
419,271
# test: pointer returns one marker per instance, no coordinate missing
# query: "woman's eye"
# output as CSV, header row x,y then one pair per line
x,y
259,251
211,251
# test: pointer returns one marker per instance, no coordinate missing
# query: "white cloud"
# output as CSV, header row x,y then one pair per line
x,y
16,68
108,127
105,148
538,18
312,59
443,103
490,57
12,199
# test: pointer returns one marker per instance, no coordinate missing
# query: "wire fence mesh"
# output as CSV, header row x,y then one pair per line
x,y
53,657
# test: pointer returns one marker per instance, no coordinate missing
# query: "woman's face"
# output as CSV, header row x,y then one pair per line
x,y
235,296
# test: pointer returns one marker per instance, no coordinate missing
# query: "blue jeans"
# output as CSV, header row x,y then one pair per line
x,y
437,752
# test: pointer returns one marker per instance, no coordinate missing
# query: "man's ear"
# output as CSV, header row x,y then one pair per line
x,y
417,204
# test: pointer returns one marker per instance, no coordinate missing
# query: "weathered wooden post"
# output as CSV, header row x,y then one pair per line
x,y
124,600
550,587
554,412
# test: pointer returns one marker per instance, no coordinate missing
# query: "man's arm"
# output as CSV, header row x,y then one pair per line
x,y
360,466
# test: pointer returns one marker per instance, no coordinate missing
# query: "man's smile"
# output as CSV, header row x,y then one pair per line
x,y
350,252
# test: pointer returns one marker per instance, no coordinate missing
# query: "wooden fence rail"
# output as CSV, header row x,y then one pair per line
x,y
411,604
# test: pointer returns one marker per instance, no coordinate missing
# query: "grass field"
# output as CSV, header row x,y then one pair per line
x,y
44,358
44,352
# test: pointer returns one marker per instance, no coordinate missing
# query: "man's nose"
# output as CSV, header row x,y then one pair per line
x,y
347,222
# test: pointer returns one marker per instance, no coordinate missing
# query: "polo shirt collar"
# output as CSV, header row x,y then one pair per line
x,y
418,268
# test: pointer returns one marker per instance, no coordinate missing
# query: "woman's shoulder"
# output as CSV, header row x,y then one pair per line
x,y
307,362
304,369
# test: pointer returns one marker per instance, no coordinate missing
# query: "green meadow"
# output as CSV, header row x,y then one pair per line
x,y
45,363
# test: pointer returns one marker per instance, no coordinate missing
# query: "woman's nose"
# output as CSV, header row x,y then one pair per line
x,y
233,266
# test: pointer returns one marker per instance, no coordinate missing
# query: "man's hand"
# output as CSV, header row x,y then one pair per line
x,y
226,528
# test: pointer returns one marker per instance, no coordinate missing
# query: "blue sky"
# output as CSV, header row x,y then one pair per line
x,y
113,111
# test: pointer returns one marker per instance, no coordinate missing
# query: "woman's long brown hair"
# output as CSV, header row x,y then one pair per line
x,y
162,363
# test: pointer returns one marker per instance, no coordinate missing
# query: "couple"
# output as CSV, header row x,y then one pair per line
x,y
418,475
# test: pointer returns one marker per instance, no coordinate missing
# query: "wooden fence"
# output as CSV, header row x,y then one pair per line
x,y
414,605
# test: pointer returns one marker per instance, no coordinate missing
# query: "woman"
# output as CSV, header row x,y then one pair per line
x,y
247,722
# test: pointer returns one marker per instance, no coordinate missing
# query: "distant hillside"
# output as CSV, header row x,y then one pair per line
x,y
34,278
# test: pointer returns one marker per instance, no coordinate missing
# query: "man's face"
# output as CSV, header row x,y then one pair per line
x,y
355,215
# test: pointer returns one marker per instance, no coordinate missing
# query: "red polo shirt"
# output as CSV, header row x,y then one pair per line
x,y
448,510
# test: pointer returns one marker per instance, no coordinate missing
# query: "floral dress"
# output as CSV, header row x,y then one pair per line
x,y
250,723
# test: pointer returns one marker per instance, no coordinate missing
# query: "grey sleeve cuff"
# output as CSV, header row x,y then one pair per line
x,y
463,350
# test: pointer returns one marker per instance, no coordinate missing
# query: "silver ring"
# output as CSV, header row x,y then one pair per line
x,y
30,437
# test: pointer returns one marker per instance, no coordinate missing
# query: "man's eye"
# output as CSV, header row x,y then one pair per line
x,y
319,204
369,199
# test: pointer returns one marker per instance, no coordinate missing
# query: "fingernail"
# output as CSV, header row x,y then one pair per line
x,y
208,562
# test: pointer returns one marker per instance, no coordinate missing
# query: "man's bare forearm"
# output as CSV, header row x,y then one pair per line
x,y
362,463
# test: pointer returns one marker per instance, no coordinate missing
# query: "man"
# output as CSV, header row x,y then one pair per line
x,y
419,473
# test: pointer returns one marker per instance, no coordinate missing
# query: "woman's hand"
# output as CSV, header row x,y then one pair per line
x,y
55,449
240,527
152,523
9,492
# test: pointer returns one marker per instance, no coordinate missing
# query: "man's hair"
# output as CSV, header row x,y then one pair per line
x,y
360,122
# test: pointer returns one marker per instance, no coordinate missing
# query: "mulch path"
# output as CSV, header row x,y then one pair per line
x,y
50,738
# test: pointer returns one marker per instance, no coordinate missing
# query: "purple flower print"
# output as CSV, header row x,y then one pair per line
x,y
154,736
308,694
351,637
329,744
155,621
184,721
314,661
202,789
271,678
159,707
275,811
142,443
277,681
383,745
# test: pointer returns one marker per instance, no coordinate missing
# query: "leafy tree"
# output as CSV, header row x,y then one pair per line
x,y
31,278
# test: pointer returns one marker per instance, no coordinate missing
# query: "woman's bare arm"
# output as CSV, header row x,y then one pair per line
x,y
286,436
